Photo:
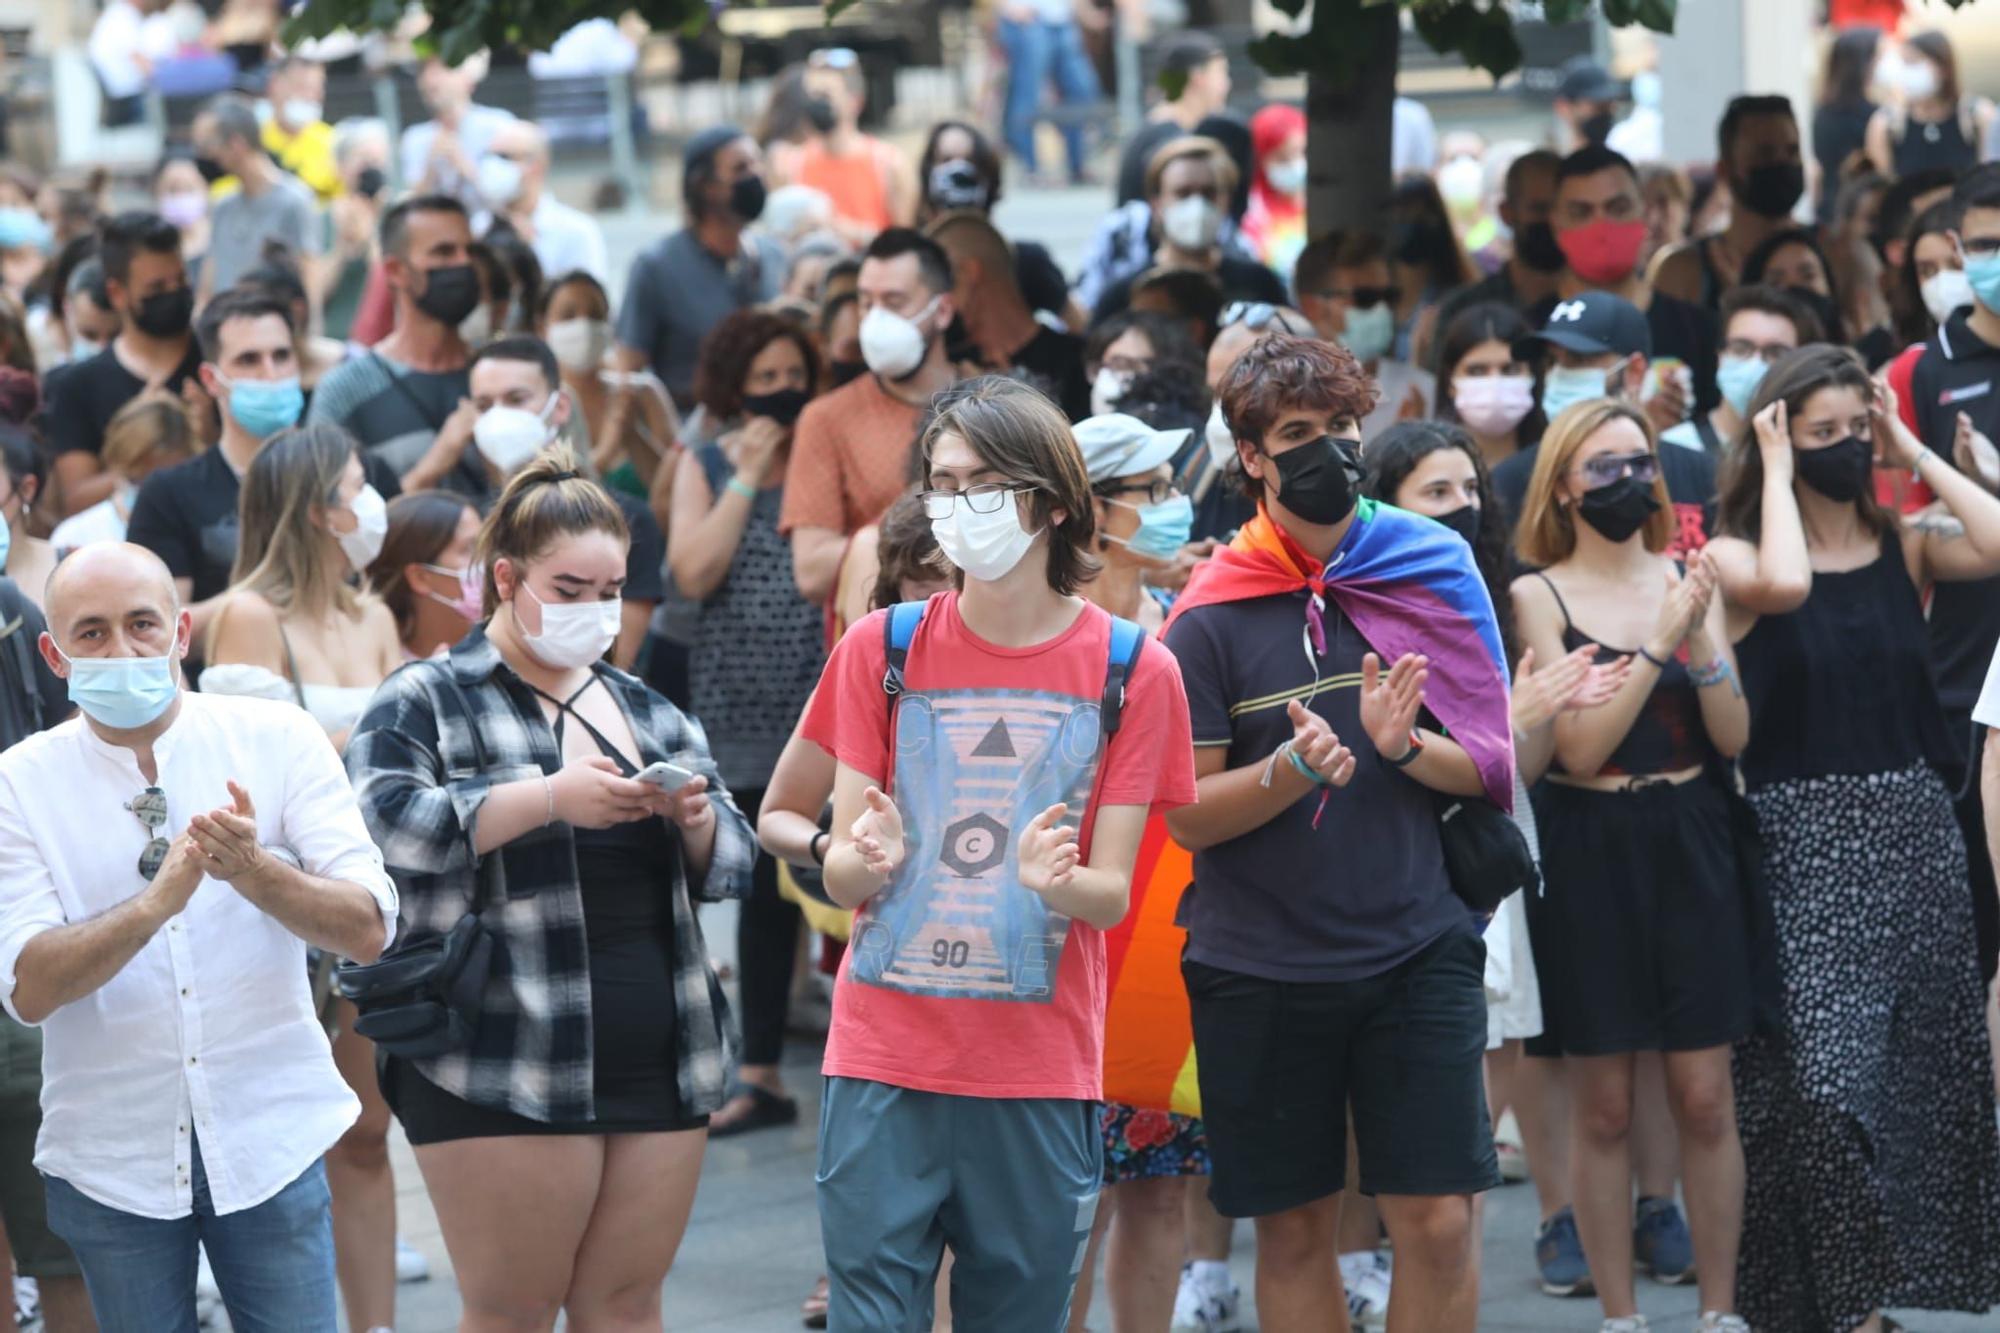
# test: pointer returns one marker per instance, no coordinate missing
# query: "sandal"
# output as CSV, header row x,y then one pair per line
x,y
767,1109
814,1309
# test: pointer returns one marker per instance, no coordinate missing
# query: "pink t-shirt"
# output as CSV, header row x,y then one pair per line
x,y
957,979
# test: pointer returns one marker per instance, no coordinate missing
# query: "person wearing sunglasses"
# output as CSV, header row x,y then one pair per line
x,y
1640,932
1596,345
151,923
1760,326
1344,287
1873,1097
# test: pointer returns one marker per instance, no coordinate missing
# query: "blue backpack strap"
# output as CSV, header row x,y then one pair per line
x,y
899,630
1126,641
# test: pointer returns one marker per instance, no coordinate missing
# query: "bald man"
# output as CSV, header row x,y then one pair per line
x,y
998,322
513,178
151,926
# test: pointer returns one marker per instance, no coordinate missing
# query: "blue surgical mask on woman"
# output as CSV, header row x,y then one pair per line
x,y
1163,529
122,693
1983,272
1565,386
1738,377
265,407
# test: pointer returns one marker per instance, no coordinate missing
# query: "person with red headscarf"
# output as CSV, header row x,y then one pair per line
x,y
1275,226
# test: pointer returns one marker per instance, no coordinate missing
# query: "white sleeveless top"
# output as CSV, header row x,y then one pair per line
x,y
334,707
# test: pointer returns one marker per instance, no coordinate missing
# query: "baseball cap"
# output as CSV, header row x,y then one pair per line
x,y
1592,324
1115,445
1584,80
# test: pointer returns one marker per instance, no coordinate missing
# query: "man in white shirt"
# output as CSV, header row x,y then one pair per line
x,y
117,53
441,156
513,181
149,926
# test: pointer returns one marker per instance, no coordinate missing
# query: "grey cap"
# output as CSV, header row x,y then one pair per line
x,y
1115,445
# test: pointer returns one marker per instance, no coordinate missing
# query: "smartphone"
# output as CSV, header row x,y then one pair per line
x,y
666,776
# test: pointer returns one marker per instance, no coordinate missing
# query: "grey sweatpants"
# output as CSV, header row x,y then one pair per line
x,y
1009,1184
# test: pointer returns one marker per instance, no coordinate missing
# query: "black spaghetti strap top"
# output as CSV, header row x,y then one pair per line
x,y
1844,684
1668,735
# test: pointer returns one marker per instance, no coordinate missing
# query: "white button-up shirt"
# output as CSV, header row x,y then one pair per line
x,y
208,1032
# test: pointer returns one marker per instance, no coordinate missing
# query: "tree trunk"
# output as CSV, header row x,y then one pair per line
x,y
1350,128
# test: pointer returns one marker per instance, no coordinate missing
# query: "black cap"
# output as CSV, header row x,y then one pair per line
x,y
1584,80
1592,324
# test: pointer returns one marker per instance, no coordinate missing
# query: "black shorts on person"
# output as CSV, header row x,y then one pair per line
x,y
429,1114
1640,934
1281,1061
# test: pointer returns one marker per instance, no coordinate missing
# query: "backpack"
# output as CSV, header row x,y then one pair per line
x,y
899,630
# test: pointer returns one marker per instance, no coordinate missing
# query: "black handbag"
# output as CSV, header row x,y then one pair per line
x,y
423,998
1485,854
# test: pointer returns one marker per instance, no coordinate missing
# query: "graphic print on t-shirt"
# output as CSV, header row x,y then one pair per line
x,y
973,769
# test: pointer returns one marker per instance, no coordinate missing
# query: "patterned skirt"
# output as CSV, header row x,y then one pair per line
x,y
1148,1144
1868,1125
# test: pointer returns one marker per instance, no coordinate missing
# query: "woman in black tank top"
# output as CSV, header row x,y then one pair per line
x,y
1873,1169
1640,932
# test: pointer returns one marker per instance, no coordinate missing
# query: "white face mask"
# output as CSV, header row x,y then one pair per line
x,y
1221,444
1192,223
580,344
985,546
1106,390
363,542
301,112
1917,77
1371,331
1462,182
477,327
1946,290
893,346
499,180
507,437
1287,178
573,634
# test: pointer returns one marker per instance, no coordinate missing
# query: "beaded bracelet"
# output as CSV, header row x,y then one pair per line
x,y
741,487
1713,674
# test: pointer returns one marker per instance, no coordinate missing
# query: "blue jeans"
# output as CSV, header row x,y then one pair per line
x,y
274,1262
1037,52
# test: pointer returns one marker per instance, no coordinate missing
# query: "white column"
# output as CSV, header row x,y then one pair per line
x,y
1721,48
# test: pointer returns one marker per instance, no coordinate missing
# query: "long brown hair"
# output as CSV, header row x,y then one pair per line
x,y
280,554
1739,510
421,525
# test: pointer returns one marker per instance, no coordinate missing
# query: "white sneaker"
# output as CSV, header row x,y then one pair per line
x,y
27,1301
1714,1322
411,1266
1631,1323
1368,1299
1200,1307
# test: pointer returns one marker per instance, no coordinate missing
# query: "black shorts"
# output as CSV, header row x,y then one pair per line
x,y
429,1114
1641,934
1280,1063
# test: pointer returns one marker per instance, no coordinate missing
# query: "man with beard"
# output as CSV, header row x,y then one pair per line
x,y
1529,274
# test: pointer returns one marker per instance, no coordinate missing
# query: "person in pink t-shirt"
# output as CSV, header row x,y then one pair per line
x,y
997,761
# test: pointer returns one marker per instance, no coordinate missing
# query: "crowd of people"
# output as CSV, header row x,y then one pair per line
x,y
1554,627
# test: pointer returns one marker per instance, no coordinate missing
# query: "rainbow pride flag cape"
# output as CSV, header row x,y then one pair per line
x,y
1148,1041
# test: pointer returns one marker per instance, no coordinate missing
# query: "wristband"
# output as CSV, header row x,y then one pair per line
x,y
738,486
1305,770
1408,756
815,850
1713,674
1656,661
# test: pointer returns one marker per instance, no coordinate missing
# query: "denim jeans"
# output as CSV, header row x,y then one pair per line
x,y
1036,53
274,1262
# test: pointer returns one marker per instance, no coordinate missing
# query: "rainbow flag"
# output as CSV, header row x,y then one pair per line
x,y
1148,1041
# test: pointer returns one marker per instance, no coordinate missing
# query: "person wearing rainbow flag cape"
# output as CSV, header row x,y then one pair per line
x,y
1328,961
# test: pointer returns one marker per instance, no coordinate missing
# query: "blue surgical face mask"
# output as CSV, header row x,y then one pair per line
x,y
1370,331
1564,386
1983,272
1163,528
265,407
122,693
23,227
1738,378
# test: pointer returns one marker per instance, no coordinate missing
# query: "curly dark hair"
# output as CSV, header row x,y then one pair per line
x,y
1282,372
730,347
1394,454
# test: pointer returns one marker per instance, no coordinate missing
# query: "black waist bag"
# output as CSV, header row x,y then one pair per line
x,y
1485,854
423,998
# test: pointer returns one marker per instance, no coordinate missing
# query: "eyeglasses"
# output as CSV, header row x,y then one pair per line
x,y
1158,491
1257,316
150,806
1982,246
1365,297
1607,468
1743,349
987,499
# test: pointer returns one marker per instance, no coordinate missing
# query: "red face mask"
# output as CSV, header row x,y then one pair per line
x,y
1603,252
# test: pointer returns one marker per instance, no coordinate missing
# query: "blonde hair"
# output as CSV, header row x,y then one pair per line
x,y
547,500
280,554
1547,533
1198,147
152,423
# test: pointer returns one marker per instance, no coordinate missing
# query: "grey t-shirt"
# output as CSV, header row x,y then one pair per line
x,y
396,412
679,290
242,223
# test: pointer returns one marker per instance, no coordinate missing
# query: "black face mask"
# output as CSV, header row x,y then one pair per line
x,y
1318,480
821,115
370,182
782,407
1620,509
1464,521
842,372
210,169
1535,245
1770,191
1595,129
747,196
165,314
449,293
1841,471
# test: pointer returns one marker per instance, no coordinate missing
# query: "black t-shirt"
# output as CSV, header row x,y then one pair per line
x,y
32,697
1959,372
1360,893
1690,485
1056,361
1042,282
1138,152
645,563
79,399
1241,280
186,515
1681,330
